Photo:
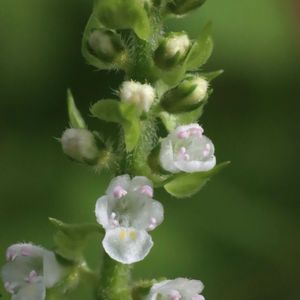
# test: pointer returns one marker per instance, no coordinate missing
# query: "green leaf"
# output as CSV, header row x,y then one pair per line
x,y
75,118
201,49
125,114
107,110
70,239
173,76
120,14
186,185
131,124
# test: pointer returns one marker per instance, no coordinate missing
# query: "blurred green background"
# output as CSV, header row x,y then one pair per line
x,y
241,234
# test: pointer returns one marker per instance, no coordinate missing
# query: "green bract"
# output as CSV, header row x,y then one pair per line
x,y
186,185
70,239
201,50
75,118
120,14
125,114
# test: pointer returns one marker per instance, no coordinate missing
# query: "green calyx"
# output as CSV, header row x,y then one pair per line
x,y
106,45
172,50
185,97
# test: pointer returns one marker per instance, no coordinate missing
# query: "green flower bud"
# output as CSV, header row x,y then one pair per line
x,y
181,7
80,145
172,50
187,96
106,45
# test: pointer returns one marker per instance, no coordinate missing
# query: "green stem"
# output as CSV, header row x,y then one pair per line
x,y
114,280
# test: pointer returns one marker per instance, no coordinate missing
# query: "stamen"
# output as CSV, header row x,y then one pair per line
x,y
153,223
183,153
114,221
11,255
119,192
147,190
183,134
31,277
25,251
174,295
198,131
182,150
205,152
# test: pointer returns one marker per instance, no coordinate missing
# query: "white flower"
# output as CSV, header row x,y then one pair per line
x,y
177,289
140,94
127,212
186,149
80,145
29,271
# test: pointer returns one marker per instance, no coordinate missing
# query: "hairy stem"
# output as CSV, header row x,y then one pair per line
x,y
114,280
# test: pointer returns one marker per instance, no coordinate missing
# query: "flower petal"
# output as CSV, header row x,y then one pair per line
x,y
102,211
127,245
18,270
34,291
186,287
53,271
188,127
166,156
138,182
122,181
156,215
195,166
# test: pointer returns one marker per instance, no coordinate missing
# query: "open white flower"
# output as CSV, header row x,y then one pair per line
x,y
177,289
140,94
186,149
29,271
127,212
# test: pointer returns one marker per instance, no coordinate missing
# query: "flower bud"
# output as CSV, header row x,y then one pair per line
x,y
172,50
80,145
181,7
105,44
186,96
140,94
